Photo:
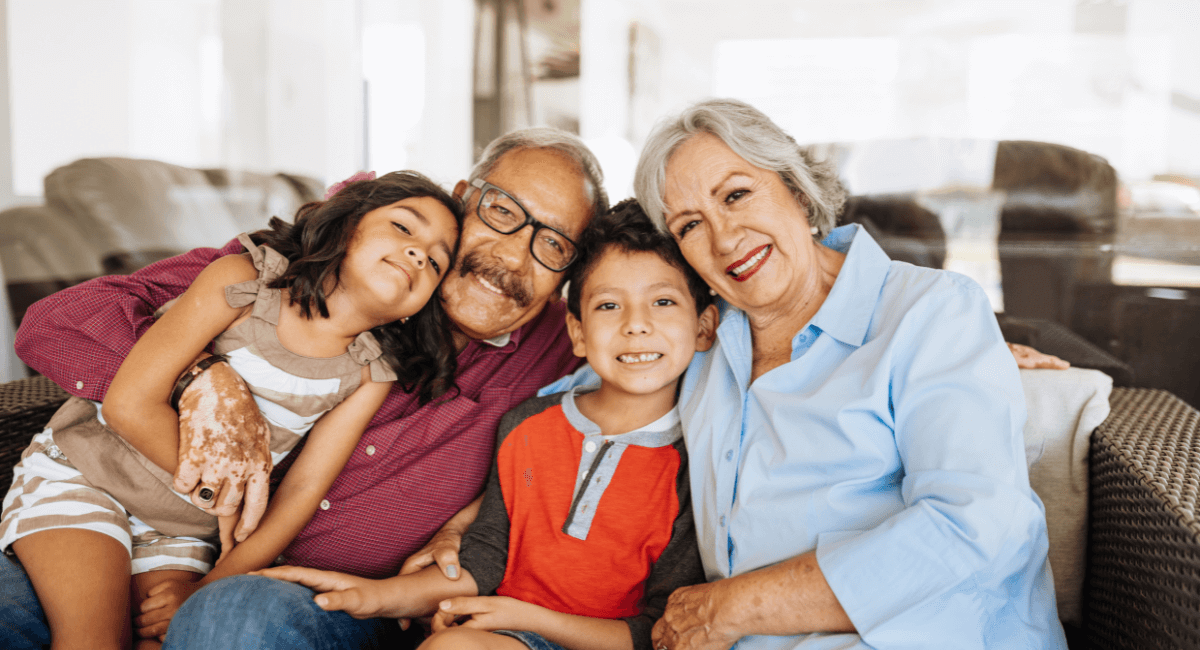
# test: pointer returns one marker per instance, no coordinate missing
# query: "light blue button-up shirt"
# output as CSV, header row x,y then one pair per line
x,y
891,444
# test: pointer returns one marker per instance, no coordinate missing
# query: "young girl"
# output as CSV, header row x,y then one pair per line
x,y
319,319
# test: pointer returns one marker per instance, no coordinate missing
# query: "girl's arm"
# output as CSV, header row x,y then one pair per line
x,y
570,631
136,405
328,448
330,443
405,596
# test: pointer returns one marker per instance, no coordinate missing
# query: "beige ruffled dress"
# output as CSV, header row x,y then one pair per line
x,y
292,391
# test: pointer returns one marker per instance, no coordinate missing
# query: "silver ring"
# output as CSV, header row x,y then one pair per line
x,y
661,646
206,494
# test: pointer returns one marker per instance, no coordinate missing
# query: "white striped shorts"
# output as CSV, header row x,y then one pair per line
x,y
48,493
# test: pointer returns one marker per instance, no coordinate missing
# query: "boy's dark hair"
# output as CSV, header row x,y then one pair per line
x,y
627,228
422,349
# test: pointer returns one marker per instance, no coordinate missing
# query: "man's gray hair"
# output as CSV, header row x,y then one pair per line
x,y
753,136
544,137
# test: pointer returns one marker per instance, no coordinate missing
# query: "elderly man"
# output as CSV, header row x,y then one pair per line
x,y
417,465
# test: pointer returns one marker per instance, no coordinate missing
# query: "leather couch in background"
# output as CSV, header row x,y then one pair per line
x,y
115,215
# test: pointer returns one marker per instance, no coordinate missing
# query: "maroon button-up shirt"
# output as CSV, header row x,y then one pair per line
x,y
427,462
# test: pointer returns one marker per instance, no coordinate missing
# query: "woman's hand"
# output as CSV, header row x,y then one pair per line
x,y
224,449
1029,358
358,597
485,612
160,605
691,620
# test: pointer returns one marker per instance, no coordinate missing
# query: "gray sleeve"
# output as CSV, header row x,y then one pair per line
x,y
678,566
484,549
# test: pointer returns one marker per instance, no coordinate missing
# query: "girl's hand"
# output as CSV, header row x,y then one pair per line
x,y
226,525
358,597
160,606
224,446
485,612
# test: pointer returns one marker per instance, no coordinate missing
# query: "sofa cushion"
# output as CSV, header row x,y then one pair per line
x,y
1064,406
124,205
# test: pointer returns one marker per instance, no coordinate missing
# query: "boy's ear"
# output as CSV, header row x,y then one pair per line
x,y
575,331
709,319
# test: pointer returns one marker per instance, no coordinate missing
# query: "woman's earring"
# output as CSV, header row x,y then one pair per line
x,y
712,292
814,230
404,320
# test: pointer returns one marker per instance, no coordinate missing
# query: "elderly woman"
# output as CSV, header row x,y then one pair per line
x,y
855,435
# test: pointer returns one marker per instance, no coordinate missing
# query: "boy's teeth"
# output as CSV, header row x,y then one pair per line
x,y
751,262
639,358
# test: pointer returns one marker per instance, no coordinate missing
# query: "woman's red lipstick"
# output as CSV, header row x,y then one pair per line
x,y
745,275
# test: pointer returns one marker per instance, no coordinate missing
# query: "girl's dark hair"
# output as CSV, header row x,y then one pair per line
x,y
422,349
627,228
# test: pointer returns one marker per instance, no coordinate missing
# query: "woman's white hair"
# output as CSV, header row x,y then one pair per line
x,y
545,137
759,141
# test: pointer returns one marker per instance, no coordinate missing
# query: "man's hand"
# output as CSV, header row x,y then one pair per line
x,y
160,605
442,549
358,597
1029,358
485,612
224,448
691,620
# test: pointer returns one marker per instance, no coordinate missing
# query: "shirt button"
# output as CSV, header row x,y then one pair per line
x,y
722,521
281,560
325,505
589,446
370,450
79,385
729,455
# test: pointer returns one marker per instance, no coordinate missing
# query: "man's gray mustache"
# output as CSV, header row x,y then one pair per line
x,y
504,280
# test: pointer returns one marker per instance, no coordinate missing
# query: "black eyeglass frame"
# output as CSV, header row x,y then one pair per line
x,y
483,186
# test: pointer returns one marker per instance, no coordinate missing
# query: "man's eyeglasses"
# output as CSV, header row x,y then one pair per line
x,y
502,213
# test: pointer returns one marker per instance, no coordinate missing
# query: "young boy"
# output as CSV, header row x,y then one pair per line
x,y
586,524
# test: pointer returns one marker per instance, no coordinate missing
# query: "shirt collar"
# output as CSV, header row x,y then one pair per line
x,y
659,433
500,344
846,313
498,341
516,335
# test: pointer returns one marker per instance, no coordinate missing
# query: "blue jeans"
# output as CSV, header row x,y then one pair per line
x,y
23,624
258,612
237,612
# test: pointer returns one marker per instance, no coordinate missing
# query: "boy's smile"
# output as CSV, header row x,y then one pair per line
x,y
639,329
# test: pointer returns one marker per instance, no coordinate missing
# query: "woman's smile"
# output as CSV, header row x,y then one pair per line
x,y
742,269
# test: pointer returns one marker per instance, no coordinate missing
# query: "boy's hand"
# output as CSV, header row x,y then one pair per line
x,y
358,597
485,612
160,605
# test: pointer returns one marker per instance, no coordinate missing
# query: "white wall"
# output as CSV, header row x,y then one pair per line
x,y
418,64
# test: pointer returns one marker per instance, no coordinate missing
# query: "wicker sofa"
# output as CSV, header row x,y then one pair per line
x,y
1142,581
